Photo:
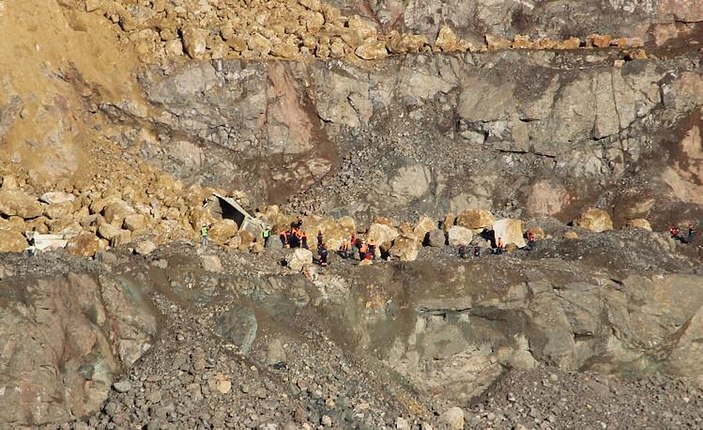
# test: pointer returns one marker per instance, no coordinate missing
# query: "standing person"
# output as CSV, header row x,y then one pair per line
x,y
284,238
203,235
372,249
462,251
500,246
265,235
531,243
691,232
324,255
319,238
304,239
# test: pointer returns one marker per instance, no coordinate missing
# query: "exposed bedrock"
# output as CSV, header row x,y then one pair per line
x,y
528,134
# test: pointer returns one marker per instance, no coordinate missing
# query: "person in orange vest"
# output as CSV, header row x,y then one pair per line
x,y
363,249
304,239
283,235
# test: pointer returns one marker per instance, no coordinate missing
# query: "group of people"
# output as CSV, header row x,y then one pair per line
x,y
682,237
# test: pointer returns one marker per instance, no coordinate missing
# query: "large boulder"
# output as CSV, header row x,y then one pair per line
x,y
424,225
222,231
405,248
475,219
458,235
58,210
12,241
596,220
381,234
436,238
20,204
116,211
85,245
510,231
298,259
135,222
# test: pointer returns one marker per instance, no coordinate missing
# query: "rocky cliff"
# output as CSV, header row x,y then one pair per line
x,y
119,119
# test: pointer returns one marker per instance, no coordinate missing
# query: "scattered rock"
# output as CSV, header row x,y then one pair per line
x,y
453,418
571,235
194,41
145,247
122,386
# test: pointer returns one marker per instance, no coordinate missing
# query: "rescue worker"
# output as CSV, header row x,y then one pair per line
x,y
319,238
324,255
500,246
675,232
477,251
304,239
372,250
462,251
691,232
531,243
363,249
294,238
203,235
265,235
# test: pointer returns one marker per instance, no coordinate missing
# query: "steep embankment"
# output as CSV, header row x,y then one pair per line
x,y
248,342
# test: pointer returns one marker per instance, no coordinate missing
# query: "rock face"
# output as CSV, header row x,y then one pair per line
x,y
511,130
554,323
64,341
11,241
